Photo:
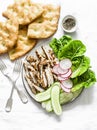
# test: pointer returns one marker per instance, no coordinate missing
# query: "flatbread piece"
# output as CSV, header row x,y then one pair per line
x,y
45,25
25,11
23,45
8,35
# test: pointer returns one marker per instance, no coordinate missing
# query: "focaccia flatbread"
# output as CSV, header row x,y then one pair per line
x,y
23,45
47,24
25,11
8,35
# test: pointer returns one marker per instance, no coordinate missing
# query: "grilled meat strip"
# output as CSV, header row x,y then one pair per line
x,y
38,70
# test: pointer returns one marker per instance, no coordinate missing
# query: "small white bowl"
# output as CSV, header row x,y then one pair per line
x,y
73,28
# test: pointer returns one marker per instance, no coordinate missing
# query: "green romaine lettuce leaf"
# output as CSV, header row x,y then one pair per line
x,y
66,47
65,39
85,80
57,45
74,48
80,65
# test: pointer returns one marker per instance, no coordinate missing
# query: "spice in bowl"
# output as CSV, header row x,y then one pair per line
x,y
69,24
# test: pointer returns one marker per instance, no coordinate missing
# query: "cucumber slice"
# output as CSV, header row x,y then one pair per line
x,y
43,96
49,106
55,100
44,104
65,97
40,97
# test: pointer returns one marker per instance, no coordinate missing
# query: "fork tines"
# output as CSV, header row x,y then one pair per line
x,y
17,66
2,65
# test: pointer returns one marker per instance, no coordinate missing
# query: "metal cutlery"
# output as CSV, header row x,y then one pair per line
x,y
15,76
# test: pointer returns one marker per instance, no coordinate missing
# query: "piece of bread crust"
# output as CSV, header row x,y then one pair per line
x,y
8,35
23,45
25,11
47,24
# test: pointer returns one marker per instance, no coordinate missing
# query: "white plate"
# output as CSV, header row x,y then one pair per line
x,y
38,47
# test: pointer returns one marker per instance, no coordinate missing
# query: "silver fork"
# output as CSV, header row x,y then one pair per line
x,y
16,73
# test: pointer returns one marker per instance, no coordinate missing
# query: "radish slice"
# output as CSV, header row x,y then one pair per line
x,y
67,83
65,89
55,69
61,71
65,64
61,79
67,75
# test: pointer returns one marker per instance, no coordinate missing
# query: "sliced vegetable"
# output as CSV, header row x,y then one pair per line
x,y
67,83
68,97
65,89
65,97
61,78
43,96
67,75
55,69
44,103
65,64
49,106
55,100
61,71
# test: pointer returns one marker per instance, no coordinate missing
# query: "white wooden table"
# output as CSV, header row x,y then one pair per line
x,y
79,115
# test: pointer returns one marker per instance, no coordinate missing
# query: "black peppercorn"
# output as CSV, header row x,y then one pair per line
x,y
69,23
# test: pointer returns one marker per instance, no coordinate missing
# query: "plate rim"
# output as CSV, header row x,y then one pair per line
x,y
26,86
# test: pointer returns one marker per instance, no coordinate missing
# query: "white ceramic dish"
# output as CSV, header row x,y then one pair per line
x,y
23,73
74,28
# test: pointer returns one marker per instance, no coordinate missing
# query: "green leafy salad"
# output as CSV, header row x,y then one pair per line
x,y
66,47
73,73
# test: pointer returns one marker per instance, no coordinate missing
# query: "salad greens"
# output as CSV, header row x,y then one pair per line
x,y
87,79
57,45
79,65
63,99
66,47
56,99
73,49
82,76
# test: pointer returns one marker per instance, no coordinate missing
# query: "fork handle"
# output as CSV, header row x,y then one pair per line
x,y
8,106
22,96
9,103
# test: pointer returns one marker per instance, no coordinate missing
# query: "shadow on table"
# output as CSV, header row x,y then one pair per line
x,y
74,35
40,109
85,98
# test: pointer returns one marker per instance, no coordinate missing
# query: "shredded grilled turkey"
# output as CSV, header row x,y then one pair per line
x,y
38,70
